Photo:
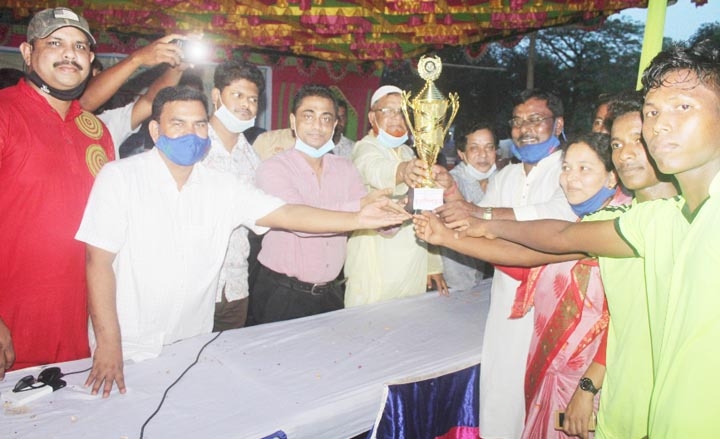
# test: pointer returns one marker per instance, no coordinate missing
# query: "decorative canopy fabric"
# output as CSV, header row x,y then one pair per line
x,y
353,30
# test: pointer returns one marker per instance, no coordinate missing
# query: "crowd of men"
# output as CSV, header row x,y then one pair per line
x,y
116,258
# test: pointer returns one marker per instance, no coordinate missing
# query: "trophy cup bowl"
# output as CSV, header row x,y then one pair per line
x,y
428,127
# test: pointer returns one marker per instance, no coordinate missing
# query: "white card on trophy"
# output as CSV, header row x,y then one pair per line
x,y
426,198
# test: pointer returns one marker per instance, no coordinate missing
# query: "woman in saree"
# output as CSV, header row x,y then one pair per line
x,y
571,315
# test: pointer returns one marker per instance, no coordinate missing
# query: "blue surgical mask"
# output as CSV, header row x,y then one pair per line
x,y
315,153
184,150
390,141
593,203
534,153
232,122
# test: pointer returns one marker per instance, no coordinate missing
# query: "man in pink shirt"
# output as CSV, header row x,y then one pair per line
x,y
298,271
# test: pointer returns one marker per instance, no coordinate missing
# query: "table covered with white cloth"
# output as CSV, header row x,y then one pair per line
x,y
316,377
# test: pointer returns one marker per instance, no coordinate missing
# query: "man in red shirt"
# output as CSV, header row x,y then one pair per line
x,y
50,152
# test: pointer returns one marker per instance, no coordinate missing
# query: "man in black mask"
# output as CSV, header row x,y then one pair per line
x,y
50,152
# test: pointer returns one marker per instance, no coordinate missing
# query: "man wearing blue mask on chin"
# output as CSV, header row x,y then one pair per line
x,y
298,272
524,191
384,266
156,228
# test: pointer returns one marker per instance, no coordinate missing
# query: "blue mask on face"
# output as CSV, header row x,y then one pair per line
x,y
184,150
390,141
534,153
593,203
313,152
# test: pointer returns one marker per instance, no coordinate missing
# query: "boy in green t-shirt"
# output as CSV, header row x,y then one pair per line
x,y
678,238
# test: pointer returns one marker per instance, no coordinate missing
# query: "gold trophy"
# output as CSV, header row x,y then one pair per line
x,y
429,110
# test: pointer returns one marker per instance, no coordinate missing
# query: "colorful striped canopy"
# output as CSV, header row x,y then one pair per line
x,y
353,30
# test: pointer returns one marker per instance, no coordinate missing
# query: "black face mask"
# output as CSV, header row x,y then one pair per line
x,y
63,95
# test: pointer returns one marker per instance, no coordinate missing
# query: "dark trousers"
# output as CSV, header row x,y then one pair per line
x,y
230,315
279,297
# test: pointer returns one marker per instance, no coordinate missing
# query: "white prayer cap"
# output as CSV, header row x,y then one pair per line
x,y
382,92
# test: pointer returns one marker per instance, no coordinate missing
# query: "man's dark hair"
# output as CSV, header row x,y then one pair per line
x,y
313,90
172,94
598,142
230,71
703,59
341,103
553,102
191,79
461,140
10,77
622,103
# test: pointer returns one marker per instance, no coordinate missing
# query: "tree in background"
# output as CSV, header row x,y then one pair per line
x,y
707,31
576,63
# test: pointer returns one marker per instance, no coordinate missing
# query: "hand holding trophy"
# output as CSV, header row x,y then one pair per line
x,y
429,109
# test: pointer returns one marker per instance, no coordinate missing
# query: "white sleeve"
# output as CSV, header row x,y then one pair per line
x,y
251,204
556,207
119,122
104,223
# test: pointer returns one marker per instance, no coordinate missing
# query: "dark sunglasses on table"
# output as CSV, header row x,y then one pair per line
x,y
48,377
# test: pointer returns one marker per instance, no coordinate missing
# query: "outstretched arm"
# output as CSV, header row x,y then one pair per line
x,y
377,214
429,228
598,238
107,361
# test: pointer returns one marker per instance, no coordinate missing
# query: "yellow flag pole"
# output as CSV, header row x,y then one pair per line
x,y
653,37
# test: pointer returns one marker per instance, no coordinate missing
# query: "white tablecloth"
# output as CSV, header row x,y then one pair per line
x,y
317,377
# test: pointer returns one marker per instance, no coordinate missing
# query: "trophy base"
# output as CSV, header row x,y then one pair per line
x,y
426,198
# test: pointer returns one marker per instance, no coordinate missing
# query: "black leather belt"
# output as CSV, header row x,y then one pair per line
x,y
296,284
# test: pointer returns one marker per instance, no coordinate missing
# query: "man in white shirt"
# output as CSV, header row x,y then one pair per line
x,y
524,191
156,229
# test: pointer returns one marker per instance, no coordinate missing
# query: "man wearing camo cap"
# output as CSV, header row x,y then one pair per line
x,y
50,152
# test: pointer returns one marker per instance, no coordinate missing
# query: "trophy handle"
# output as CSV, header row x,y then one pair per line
x,y
404,105
455,103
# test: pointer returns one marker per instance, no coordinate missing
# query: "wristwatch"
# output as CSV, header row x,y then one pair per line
x,y
587,385
487,213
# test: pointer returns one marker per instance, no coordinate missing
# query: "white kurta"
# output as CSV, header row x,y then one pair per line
x,y
381,266
506,343
169,244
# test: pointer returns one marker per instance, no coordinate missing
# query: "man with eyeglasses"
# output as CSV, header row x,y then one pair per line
x,y
238,88
50,152
523,191
298,271
386,265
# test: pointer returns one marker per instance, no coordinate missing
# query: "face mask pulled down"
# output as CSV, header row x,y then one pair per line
x,y
315,153
388,140
63,95
532,154
231,122
593,203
